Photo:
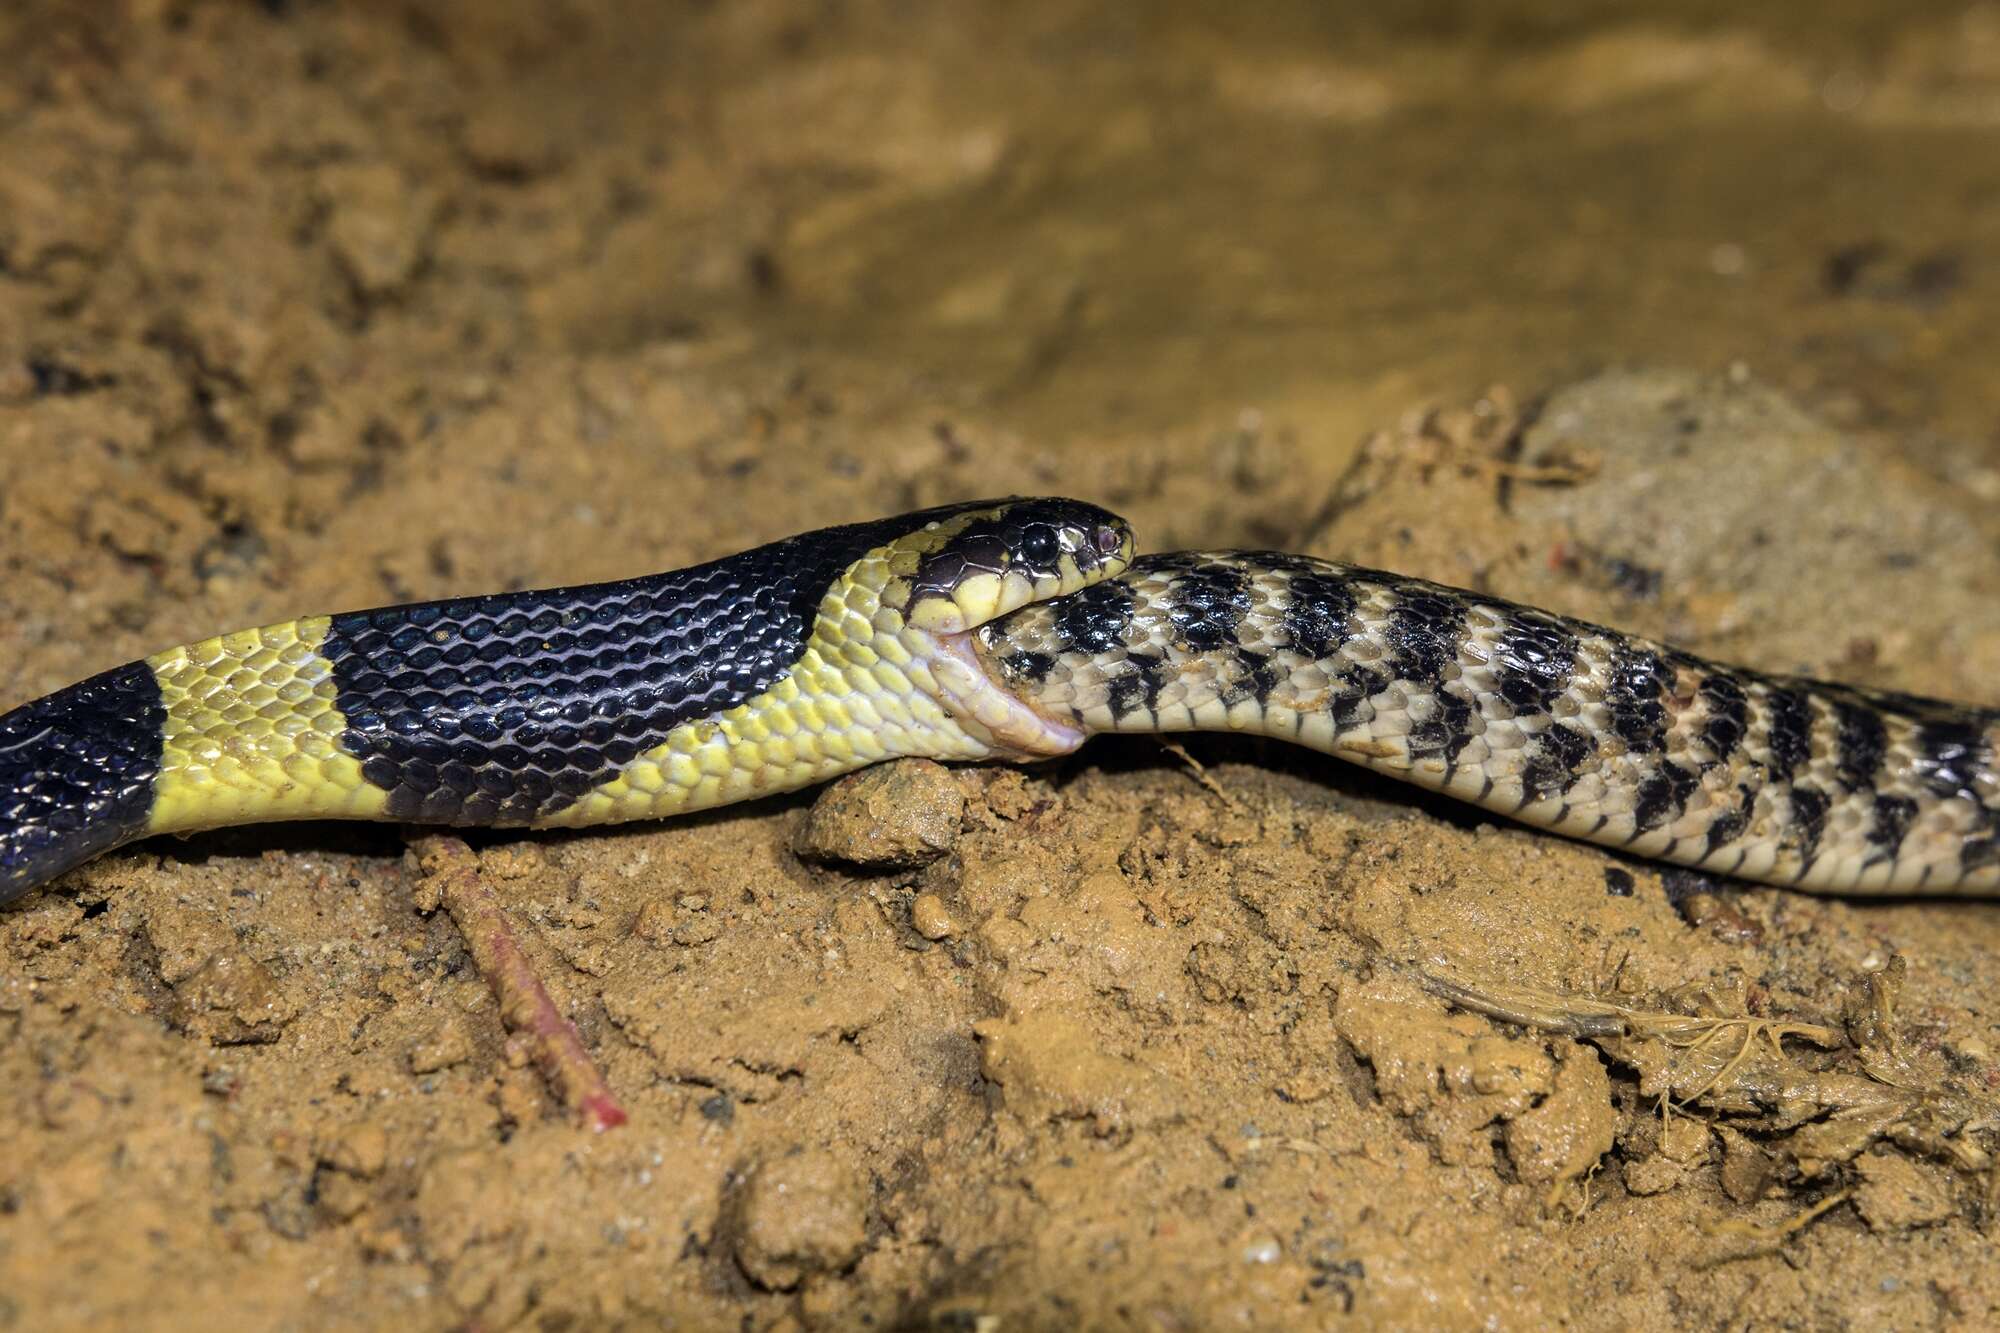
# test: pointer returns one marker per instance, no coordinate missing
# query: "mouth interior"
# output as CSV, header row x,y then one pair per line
x,y
971,690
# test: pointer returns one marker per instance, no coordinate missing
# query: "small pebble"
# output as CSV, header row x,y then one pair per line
x,y
890,817
930,919
799,1215
1896,1194
1746,1168
359,1150
447,1045
518,860
654,922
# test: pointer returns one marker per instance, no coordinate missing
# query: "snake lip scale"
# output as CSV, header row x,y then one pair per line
x,y
996,630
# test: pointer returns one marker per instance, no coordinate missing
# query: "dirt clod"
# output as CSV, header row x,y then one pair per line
x,y
1897,1193
1747,1170
798,1215
891,817
1565,1134
232,999
359,1150
930,918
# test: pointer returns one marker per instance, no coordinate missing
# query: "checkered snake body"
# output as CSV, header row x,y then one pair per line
x,y
1552,722
1010,629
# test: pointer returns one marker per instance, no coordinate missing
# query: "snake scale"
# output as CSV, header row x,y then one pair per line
x,y
1006,629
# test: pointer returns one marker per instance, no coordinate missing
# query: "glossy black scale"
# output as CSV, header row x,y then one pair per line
x,y
76,774
1318,619
1558,754
1533,662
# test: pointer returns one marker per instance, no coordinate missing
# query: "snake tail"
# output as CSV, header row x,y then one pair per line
x,y
1552,722
758,673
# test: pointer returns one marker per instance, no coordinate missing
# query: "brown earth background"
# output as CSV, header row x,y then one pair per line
x,y
1675,316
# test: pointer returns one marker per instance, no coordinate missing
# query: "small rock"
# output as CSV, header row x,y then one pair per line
x,y
687,925
1973,1049
1653,1175
1563,1136
1498,1067
358,1150
797,1216
379,224
1009,795
930,919
232,1000
654,922
1746,1168
1896,1193
341,1198
448,1044
890,817
518,860
1683,1146
700,930
1685,1140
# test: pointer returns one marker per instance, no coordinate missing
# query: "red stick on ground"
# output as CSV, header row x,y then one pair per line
x,y
450,876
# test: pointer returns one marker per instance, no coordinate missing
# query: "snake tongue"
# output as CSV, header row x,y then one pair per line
x,y
981,704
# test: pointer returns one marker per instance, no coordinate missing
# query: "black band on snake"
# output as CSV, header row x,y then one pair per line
x,y
1009,630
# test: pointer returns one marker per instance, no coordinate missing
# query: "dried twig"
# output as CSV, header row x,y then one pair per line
x,y
1201,775
451,878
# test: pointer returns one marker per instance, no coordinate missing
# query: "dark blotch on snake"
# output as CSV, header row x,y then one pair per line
x,y
1318,617
1424,632
1728,714
1809,807
1533,661
1860,741
1639,680
1095,619
1729,824
1949,757
1137,687
1663,795
1788,734
1205,607
1893,816
1560,753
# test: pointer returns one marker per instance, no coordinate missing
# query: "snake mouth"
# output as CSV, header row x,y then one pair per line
x,y
977,698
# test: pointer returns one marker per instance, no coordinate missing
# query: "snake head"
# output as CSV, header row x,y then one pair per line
x,y
969,564
987,559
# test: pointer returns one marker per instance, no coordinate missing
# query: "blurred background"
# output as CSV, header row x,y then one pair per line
x,y
278,256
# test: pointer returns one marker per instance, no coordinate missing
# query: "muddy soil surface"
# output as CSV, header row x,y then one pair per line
x,y
1682,324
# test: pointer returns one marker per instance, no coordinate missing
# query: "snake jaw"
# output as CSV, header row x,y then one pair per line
x,y
972,693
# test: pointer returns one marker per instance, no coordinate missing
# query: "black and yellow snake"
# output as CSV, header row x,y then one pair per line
x,y
1009,629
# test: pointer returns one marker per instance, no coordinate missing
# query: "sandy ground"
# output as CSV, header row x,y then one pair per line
x,y
306,306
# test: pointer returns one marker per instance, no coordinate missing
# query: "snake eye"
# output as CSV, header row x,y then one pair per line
x,y
1039,546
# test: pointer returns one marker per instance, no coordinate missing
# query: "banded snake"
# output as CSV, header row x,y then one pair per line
x,y
996,630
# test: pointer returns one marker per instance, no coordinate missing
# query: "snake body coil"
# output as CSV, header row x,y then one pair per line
x,y
1557,723
758,673
995,630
